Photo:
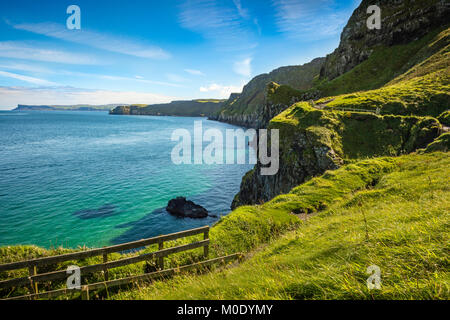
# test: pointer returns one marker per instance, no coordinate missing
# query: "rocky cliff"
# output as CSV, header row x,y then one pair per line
x,y
190,108
401,22
409,64
314,141
252,108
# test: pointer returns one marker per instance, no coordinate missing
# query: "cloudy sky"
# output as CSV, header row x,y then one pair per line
x,y
156,51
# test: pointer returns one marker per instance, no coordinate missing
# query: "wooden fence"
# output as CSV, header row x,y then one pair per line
x,y
34,278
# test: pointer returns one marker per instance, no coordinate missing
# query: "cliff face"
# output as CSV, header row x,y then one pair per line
x,y
316,137
252,108
191,108
80,107
313,141
401,22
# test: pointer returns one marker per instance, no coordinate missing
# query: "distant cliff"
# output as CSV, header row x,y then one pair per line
x,y
252,108
401,23
190,108
78,107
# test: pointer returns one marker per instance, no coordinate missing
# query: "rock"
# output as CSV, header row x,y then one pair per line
x,y
401,22
181,207
252,109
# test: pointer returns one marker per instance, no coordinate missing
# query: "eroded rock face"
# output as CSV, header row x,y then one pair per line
x,y
181,207
401,22
252,109
303,158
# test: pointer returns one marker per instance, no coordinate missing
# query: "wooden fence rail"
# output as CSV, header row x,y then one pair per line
x,y
133,279
34,278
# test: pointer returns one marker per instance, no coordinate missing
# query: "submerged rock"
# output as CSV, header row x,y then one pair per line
x,y
184,208
106,210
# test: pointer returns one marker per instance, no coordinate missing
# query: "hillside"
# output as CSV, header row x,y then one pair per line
x,y
251,108
365,60
78,107
191,108
325,133
380,212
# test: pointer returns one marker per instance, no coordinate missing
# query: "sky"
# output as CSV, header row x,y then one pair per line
x,y
144,51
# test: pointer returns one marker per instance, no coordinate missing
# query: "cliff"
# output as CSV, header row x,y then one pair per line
x,y
252,108
78,107
389,88
191,108
313,141
401,23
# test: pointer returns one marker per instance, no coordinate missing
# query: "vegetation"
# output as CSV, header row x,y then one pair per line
x,y
389,212
421,90
388,63
444,118
353,135
192,108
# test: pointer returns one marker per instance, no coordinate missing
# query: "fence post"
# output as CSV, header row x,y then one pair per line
x,y
105,269
161,259
206,248
85,293
32,270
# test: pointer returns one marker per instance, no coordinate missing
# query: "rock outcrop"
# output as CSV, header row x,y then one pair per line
x,y
190,108
401,22
253,109
314,141
181,207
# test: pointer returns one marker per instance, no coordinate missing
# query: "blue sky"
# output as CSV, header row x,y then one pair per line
x,y
156,51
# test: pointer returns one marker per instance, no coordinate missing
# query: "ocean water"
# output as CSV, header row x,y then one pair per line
x,y
89,178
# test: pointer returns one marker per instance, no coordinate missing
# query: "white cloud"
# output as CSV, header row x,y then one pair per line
x,y
175,77
26,67
94,39
310,20
194,72
12,96
222,25
243,67
30,51
242,12
222,92
32,80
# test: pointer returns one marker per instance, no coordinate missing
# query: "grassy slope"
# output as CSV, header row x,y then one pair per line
x,y
392,212
354,135
422,90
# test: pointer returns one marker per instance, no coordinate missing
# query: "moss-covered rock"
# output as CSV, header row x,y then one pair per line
x,y
313,141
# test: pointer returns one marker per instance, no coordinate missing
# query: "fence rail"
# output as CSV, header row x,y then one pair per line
x,y
133,279
34,278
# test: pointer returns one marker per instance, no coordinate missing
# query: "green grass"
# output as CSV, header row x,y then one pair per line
x,y
422,90
388,63
444,118
442,143
391,212
353,135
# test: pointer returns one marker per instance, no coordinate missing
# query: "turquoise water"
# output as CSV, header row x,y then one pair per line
x,y
89,178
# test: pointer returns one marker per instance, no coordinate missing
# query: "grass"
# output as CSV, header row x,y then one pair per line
x,y
388,63
391,212
444,118
422,90
353,135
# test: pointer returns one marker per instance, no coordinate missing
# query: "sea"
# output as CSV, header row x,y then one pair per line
x,y
74,179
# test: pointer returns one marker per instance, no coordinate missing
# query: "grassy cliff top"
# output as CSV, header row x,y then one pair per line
x,y
423,89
